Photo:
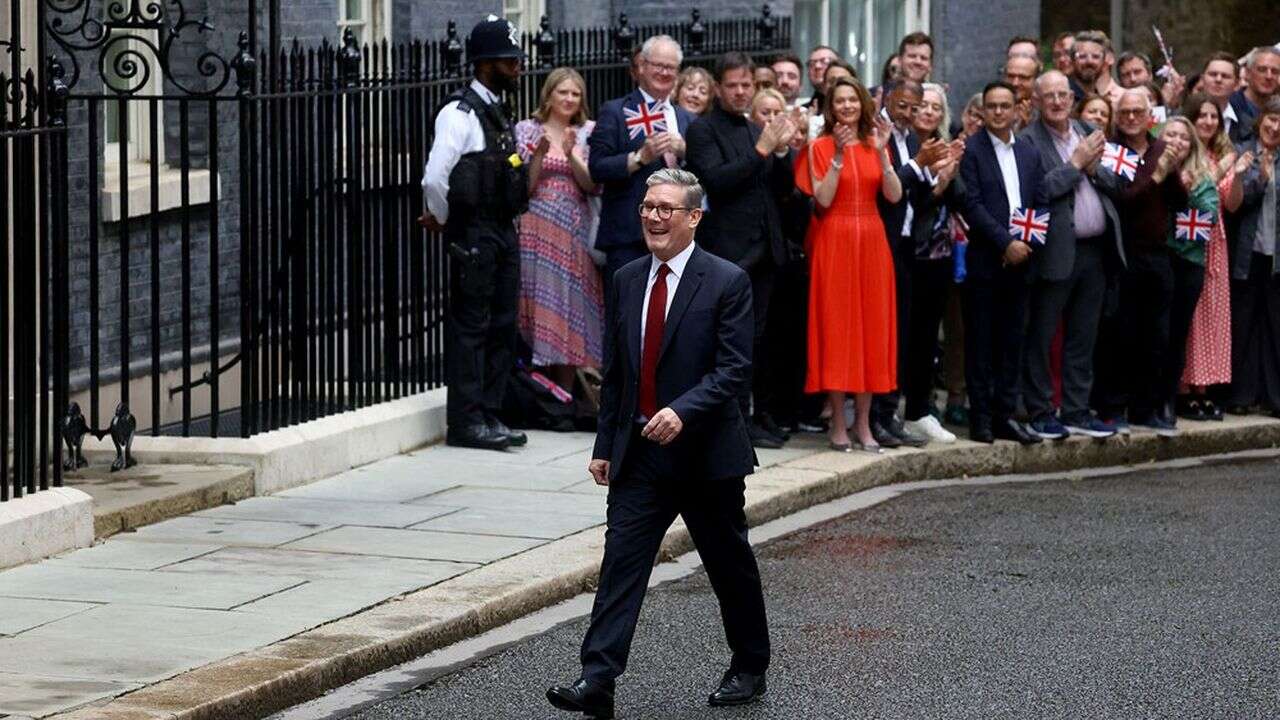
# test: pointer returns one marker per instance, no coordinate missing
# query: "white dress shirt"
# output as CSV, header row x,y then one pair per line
x,y
676,265
457,133
1229,117
1008,170
900,140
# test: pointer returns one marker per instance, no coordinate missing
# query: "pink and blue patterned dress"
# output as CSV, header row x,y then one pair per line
x,y
561,300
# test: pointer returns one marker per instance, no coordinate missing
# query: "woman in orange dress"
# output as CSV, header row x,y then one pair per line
x,y
853,338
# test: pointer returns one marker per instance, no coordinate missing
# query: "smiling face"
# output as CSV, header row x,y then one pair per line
x,y
566,99
1097,112
1133,115
972,119
818,61
929,115
1264,76
1269,131
667,238
997,110
1062,57
788,79
1055,97
735,90
1020,72
1176,136
846,106
1090,61
658,71
916,62
765,110
903,104
695,96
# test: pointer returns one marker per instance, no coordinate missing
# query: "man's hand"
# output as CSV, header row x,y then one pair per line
x,y
654,146
663,427
677,145
1268,164
428,221
1017,253
1173,88
1088,150
931,152
599,470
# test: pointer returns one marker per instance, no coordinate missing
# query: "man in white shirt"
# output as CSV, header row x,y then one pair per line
x,y
474,190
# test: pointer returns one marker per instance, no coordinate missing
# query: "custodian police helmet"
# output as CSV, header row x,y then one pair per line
x,y
494,37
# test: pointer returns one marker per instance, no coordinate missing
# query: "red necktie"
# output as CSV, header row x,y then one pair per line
x,y
657,319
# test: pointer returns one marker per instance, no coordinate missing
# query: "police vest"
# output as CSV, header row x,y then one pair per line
x,y
492,184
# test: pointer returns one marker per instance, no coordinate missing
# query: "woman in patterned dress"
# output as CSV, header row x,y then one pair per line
x,y
561,301
1209,344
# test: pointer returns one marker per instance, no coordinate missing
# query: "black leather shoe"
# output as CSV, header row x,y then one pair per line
x,y
476,436
1013,430
883,437
738,688
584,696
766,421
905,436
762,438
514,437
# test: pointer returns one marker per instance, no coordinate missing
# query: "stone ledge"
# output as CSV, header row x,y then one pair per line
x,y
297,455
44,523
266,680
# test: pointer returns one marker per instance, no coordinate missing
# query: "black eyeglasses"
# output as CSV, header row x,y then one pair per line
x,y
664,211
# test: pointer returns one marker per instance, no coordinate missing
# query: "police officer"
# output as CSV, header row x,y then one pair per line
x,y
475,187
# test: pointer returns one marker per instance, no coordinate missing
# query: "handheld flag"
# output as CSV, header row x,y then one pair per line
x,y
645,119
1029,225
1194,225
1121,160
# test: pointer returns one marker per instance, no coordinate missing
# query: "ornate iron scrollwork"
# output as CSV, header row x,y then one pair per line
x,y
134,41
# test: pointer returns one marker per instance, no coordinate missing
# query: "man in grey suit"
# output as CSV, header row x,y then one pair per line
x,y
1068,274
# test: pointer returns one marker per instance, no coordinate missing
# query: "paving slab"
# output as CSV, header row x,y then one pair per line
x,y
21,614
228,532
312,511
576,503
51,580
147,494
125,553
354,570
423,544
28,695
375,483
512,521
323,601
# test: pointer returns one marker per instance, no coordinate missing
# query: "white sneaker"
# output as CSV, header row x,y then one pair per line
x,y
929,427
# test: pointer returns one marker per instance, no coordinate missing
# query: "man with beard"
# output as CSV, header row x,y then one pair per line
x,y
474,191
786,68
1092,50
746,171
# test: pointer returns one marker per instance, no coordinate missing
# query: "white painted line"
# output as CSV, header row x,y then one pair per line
x,y
359,695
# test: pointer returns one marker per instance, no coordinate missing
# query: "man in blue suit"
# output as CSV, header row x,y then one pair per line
x,y
1000,175
672,440
635,135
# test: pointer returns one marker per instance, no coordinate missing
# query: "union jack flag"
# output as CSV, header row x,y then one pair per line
x,y
646,119
1194,225
1121,160
1029,225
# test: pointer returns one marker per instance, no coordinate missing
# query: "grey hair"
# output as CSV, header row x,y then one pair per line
x,y
693,192
1140,91
944,127
1259,52
1046,75
647,48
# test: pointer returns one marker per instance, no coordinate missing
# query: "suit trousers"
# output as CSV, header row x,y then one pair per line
x,y
931,284
763,276
885,406
480,338
1076,303
787,349
1255,337
1146,294
644,500
995,316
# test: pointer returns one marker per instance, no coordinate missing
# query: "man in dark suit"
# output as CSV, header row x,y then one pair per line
x,y
1069,274
745,171
635,135
911,161
672,441
1000,175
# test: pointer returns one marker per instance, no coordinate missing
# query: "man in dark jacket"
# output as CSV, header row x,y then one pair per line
x,y
745,170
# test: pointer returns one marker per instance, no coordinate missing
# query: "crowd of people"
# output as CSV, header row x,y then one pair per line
x,y
1088,244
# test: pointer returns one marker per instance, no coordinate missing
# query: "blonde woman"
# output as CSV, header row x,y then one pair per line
x,y
694,89
561,301
766,105
1198,177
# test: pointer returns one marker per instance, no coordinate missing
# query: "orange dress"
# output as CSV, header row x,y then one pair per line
x,y
853,336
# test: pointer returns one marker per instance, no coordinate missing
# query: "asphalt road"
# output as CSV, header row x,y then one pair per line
x,y
1150,595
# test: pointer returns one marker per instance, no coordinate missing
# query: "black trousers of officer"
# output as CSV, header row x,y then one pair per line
x,y
645,498
480,335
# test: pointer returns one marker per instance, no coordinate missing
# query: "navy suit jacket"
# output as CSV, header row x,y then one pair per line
x,y
986,205
703,365
610,143
894,215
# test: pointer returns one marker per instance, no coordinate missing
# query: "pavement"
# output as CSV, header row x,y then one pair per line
x,y
243,609
1147,595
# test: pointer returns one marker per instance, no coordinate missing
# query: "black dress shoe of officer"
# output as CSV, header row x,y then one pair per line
x,y
477,436
1013,430
905,436
584,696
882,436
514,437
738,688
980,430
